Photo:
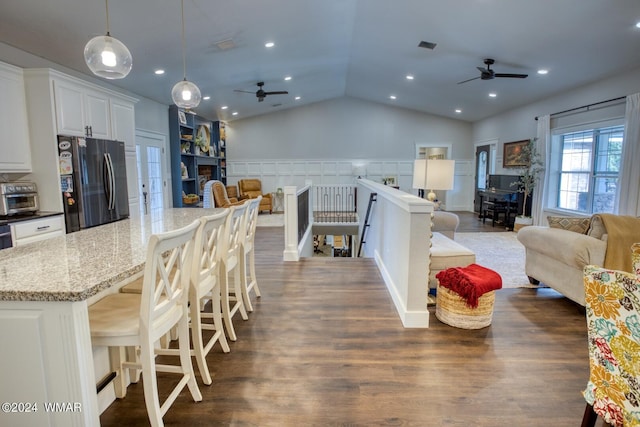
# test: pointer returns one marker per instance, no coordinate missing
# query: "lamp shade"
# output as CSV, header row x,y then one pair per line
x,y
108,57
186,94
439,174
419,173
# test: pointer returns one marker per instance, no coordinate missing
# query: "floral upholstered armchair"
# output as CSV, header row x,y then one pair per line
x,y
613,326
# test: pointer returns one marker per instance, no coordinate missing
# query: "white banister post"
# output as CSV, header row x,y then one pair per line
x,y
290,224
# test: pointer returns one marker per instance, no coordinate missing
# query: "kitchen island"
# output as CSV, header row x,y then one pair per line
x,y
45,289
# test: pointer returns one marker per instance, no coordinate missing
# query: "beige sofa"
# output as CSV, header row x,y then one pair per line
x,y
445,223
556,256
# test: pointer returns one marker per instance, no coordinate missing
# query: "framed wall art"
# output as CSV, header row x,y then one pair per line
x,y
514,155
390,180
182,117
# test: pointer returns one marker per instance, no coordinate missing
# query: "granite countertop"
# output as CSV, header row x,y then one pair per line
x,y
77,266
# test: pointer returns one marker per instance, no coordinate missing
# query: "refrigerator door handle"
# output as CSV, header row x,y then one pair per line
x,y
113,182
108,180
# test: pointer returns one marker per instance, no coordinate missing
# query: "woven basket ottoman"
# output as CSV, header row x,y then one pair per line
x,y
453,310
465,296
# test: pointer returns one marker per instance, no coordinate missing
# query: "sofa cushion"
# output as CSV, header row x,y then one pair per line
x,y
578,225
597,228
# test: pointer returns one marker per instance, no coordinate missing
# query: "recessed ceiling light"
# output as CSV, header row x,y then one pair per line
x,y
287,78
206,98
637,24
409,77
297,98
235,113
392,97
159,72
269,44
543,71
458,111
224,107
493,95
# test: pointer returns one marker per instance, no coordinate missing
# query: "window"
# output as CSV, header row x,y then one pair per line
x,y
588,172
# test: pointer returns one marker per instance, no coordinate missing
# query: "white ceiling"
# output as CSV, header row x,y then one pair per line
x,y
332,48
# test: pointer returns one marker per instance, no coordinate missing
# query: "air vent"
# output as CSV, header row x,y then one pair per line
x,y
225,44
427,45
276,105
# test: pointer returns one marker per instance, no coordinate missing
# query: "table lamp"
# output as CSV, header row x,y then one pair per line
x,y
419,174
438,176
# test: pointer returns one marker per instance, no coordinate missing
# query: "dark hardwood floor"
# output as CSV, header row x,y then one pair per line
x,y
469,222
325,346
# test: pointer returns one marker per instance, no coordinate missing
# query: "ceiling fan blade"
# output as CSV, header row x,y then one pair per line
x,y
514,76
280,92
468,80
483,70
243,91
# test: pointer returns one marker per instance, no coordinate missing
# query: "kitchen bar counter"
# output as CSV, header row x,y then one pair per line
x,y
46,347
78,265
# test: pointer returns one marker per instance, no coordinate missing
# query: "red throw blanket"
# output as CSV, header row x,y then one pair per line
x,y
470,282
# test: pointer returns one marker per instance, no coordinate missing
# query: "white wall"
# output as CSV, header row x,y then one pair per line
x,y
344,128
321,141
520,123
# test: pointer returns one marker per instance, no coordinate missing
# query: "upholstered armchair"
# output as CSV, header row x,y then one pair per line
x,y
613,329
220,197
252,188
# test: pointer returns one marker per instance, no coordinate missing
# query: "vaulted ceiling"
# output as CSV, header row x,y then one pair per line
x,y
332,48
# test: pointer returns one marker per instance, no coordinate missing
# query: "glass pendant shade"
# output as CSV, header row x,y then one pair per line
x,y
186,94
108,57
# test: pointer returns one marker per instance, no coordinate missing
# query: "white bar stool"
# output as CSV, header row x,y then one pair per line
x,y
132,320
249,280
231,265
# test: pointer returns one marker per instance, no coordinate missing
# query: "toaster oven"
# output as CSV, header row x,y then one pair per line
x,y
18,198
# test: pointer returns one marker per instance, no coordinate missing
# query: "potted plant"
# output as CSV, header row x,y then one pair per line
x,y
529,176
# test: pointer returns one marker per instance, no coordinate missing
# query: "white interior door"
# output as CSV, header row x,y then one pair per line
x,y
150,152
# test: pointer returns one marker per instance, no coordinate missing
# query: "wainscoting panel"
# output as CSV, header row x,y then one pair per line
x,y
278,173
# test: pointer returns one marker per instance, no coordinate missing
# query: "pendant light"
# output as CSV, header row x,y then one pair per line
x,y
106,56
185,94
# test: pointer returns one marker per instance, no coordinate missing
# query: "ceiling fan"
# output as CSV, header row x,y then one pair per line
x,y
489,74
261,94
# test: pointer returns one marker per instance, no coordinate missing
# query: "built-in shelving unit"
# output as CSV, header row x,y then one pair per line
x,y
196,154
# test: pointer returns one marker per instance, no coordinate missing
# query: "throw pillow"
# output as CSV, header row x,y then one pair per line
x,y
597,229
578,225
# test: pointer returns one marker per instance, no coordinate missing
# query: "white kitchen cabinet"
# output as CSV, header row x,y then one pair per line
x,y
81,111
35,230
123,126
61,104
123,129
15,151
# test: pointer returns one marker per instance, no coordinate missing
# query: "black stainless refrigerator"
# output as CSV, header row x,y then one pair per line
x,y
93,177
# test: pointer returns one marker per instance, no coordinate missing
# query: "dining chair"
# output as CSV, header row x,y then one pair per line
x,y
248,275
231,254
613,331
140,320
